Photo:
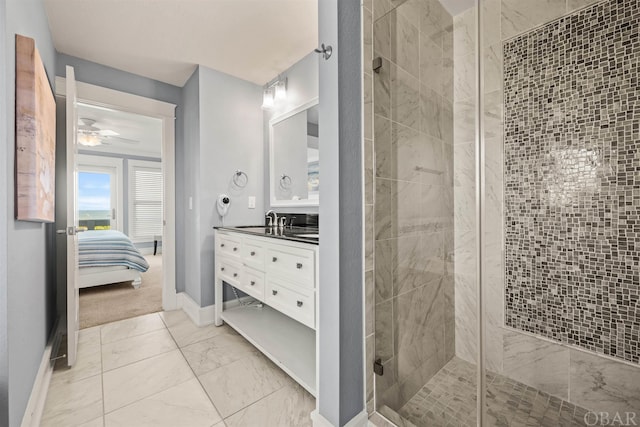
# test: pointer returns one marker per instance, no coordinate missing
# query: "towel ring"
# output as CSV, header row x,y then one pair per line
x,y
238,179
285,181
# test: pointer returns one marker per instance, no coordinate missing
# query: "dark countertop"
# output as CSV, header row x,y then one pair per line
x,y
296,234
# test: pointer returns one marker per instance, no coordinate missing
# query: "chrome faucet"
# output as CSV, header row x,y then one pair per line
x,y
273,221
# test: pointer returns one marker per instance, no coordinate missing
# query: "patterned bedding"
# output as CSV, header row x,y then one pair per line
x,y
100,248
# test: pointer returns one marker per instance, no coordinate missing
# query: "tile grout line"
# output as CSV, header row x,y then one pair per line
x,y
151,395
242,358
192,371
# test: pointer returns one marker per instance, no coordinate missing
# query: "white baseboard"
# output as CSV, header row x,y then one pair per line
x,y
360,420
38,397
201,316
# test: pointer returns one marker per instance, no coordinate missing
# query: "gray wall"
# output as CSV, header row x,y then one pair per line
x,y
188,251
302,87
112,78
341,339
30,289
230,139
4,180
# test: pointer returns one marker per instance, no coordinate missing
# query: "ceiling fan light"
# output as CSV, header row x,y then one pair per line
x,y
89,140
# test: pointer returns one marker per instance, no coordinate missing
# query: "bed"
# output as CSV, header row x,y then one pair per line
x,y
109,256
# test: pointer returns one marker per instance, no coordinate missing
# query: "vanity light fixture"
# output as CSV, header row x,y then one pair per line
x,y
281,90
267,99
274,92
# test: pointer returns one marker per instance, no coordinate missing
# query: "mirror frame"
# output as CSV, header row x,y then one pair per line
x,y
275,120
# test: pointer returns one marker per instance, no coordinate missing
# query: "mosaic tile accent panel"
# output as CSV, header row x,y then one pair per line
x,y
572,180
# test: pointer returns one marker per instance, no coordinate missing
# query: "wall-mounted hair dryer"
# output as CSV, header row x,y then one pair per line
x,y
223,204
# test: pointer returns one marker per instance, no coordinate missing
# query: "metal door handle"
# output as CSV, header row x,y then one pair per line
x,y
253,283
221,268
274,292
299,265
252,253
235,274
274,259
222,245
299,303
235,249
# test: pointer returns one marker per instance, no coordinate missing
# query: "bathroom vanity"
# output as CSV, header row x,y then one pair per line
x,y
278,267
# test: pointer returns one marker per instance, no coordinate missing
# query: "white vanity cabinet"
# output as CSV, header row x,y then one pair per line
x,y
282,274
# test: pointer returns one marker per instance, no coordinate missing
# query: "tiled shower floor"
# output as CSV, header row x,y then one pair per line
x,y
449,399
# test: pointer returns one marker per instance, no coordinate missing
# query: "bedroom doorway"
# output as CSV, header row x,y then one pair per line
x,y
120,200
126,143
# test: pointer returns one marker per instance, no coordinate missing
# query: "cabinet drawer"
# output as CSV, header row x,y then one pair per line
x,y
229,246
294,264
297,305
253,254
229,271
252,283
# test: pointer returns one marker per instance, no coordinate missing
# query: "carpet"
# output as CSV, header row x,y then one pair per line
x,y
109,303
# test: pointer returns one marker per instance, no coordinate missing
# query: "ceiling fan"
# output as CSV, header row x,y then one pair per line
x,y
91,135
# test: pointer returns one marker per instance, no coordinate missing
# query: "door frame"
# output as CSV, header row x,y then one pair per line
x,y
122,101
113,167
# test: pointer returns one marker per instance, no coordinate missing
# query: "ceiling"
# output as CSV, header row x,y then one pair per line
x,y
254,40
145,131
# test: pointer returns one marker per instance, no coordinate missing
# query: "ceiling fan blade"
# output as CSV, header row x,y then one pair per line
x,y
108,132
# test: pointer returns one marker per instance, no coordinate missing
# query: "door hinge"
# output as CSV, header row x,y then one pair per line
x,y
378,369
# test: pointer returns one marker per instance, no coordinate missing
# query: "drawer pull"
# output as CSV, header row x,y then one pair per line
x,y
274,259
299,265
253,253
274,292
222,245
235,249
221,268
299,303
235,274
253,282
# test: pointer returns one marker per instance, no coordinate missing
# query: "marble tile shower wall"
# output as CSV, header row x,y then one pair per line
x,y
409,194
584,378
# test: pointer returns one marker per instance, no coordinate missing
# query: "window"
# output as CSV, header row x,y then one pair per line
x,y
99,193
145,209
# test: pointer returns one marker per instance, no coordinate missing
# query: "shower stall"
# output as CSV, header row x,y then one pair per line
x,y
502,212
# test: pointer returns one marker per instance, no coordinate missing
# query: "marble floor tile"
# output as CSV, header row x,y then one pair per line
x,y
185,332
73,403
290,406
134,349
241,383
221,350
98,422
186,404
88,359
138,380
130,327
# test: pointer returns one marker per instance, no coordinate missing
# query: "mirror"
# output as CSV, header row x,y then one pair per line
x,y
294,157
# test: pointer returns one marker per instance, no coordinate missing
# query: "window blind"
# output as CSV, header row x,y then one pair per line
x,y
147,203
